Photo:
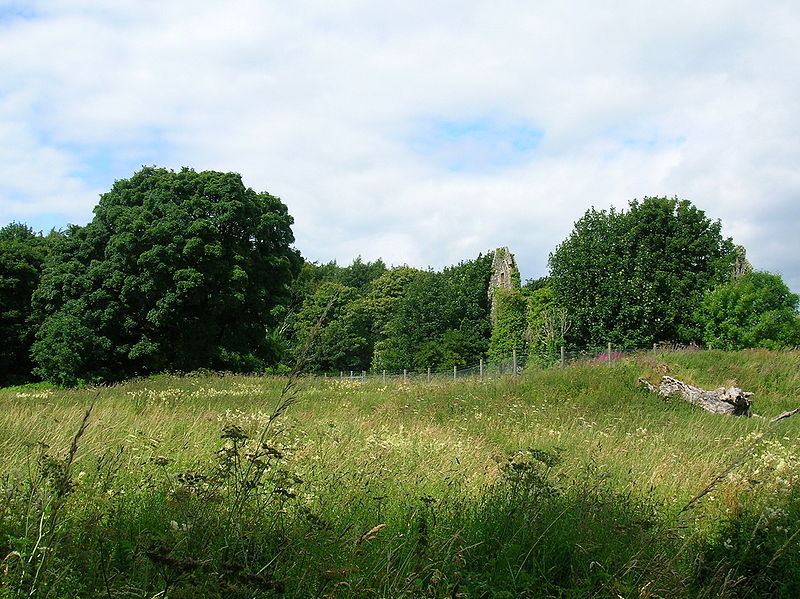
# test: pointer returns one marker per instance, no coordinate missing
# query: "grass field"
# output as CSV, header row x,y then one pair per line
x,y
557,483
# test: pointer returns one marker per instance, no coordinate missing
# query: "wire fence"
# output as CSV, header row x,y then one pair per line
x,y
516,363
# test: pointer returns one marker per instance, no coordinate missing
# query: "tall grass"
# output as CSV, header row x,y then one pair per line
x,y
558,483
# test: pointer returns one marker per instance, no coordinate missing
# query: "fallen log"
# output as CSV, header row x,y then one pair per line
x,y
732,401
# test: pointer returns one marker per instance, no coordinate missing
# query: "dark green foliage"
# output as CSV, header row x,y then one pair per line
x,y
633,278
547,322
754,310
360,274
384,293
177,270
508,332
336,317
440,321
345,338
419,318
308,280
532,285
22,256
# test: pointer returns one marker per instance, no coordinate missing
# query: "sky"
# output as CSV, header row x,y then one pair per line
x,y
422,133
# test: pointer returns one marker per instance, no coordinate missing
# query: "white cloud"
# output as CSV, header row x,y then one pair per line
x,y
316,102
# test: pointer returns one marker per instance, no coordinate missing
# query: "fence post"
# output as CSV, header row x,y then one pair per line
x,y
429,374
514,362
405,374
363,374
454,372
384,377
351,375
562,357
481,368
655,347
609,352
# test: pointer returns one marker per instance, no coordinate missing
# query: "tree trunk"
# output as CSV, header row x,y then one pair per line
x,y
731,401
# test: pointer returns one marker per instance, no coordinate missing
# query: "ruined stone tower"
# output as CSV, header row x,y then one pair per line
x,y
741,265
504,274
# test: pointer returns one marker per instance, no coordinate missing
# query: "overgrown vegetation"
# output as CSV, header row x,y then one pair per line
x,y
557,483
635,277
180,271
22,257
176,271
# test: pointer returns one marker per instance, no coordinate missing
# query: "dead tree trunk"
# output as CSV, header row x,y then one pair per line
x,y
731,401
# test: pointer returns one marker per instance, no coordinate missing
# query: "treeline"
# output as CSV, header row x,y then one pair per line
x,y
180,271
367,316
658,272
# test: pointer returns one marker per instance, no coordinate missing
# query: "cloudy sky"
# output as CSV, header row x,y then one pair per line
x,y
422,132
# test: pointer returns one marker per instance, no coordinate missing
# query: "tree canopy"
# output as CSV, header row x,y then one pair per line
x,y
22,256
330,325
176,271
189,270
636,277
440,320
755,309
332,330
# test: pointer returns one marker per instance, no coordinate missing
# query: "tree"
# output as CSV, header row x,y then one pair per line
x,y
441,319
637,277
351,317
360,274
532,285
508,332
22,257
384,293
756,309
418,316
547,322
335,326
176,271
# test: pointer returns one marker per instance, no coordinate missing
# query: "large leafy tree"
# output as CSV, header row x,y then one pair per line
x,y
441,319
22,257
636,277
756,309
547,323
332,330
345,337
177,270
384,294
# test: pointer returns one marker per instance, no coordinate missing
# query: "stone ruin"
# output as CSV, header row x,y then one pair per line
x,y
505,274
741,265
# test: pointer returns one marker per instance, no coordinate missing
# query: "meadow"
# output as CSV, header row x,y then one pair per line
x,y
566,482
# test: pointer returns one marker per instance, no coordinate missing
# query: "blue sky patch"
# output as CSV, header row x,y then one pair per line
x,y
652,142
647,139
11,11
98,165
476,144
